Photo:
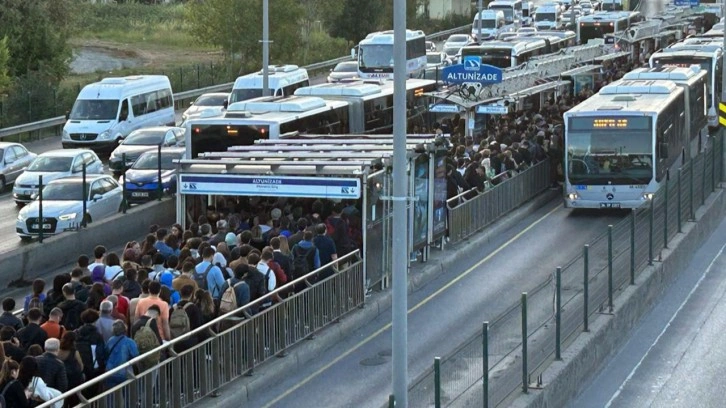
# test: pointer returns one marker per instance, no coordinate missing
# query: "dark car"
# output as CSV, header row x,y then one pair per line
x,y
142,178
143,140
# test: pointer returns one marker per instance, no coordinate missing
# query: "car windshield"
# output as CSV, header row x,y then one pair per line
x,y
244,94
51,164
346,67
94,109
210,100
433,59
145,138
69,191
149,161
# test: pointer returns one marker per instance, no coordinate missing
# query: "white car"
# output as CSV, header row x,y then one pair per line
x,y
455,42
63,205
53,165
430,46
344,70
216,101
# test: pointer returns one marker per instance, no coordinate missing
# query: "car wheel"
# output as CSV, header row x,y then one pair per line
x,y
2,184
87,219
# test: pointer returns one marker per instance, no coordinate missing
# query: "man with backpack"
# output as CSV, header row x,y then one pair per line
x,y
235,293
305,259
154,300
145,333
208,276
71,307
185,317
268,275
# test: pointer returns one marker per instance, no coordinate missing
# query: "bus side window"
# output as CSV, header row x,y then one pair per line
x,y
124,110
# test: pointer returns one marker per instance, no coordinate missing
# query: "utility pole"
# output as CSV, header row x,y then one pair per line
x,y
480,6
400,220
265,47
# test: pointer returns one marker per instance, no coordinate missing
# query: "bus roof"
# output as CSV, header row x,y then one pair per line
x,y
624,104
278,76
266,110
608,16
639,87
386,37
686,52
676,74
359,89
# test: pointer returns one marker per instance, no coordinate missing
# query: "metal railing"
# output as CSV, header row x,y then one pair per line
x,y
181,98
469,215
244,342
519,344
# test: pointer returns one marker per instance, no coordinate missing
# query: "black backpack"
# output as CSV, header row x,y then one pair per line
x,y
303,261
3,403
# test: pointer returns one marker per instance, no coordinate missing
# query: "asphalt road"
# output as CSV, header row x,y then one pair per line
x,y
443,314
676,356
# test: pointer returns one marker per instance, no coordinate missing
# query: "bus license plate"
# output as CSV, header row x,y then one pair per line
x,y
609,205
139,194
45,226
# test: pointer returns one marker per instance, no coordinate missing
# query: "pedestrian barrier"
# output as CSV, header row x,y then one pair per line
x,y
521,342
245,342
467,216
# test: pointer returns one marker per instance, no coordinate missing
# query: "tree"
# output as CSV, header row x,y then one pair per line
x,y
358,19
4,59
37,33
411,11
236,27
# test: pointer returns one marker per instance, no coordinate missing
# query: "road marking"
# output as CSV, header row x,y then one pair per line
x,y
411,310
657,339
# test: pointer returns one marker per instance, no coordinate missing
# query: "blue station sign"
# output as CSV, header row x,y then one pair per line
x,y
472,70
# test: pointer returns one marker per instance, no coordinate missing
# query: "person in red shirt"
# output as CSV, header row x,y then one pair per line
x,y
122,305
53,327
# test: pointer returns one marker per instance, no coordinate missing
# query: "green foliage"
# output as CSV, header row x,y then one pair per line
x,y
411,9
321,47
358,18
448,22
236,27
4,60
37,33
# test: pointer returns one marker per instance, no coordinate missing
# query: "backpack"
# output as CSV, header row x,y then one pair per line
x,y
71,314
35,303
201,278
303,261
228,302
146,341
3,403
179,321
73,369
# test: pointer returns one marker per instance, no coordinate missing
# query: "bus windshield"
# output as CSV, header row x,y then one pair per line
x,y
603,156
507,10
238,95
501,58
485,23
218,138
94,109
376,56
545,17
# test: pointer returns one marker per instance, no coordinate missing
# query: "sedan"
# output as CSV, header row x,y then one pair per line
x,y
143,140
344,70
142,179
53,165
14,158
455,42
216,101
62,202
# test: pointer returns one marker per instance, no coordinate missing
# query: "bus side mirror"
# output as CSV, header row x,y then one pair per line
x,y
663,150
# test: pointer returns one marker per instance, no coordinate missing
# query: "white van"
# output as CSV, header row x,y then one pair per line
x,y
492,23
283,80
106,112
548,17
527,13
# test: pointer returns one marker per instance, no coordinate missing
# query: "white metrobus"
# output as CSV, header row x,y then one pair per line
x,y
507,54
375,55
512,10
283,80
621,142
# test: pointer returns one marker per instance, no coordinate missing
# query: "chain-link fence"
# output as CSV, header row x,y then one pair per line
x,y
586,285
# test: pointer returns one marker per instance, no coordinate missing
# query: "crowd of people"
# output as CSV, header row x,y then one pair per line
x,y
112,308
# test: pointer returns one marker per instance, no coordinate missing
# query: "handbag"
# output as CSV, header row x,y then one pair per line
x,y
40,390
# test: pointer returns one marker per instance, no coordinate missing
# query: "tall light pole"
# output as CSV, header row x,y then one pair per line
x,y
480,6
400,220
265,47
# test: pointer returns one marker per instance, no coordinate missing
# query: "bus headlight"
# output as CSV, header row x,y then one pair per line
x,y
573,196
648,196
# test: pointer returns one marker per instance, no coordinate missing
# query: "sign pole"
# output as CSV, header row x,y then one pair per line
x,y
400,225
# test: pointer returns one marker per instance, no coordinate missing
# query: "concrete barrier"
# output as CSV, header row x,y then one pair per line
x,y
36,259
585,356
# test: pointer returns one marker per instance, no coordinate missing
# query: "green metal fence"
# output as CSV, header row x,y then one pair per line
x,y
519,344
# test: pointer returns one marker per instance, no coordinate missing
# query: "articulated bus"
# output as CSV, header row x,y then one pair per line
x,y
708,58
375,55
342,108
621,142
597,25
694,81
507,54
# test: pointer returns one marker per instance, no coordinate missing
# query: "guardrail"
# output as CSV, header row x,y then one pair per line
x,y
181,97
243,343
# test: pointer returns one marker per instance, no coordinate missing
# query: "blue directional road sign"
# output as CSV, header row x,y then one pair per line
x,y
472,70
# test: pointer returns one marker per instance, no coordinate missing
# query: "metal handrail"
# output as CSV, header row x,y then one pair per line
x,y
457,198
193,93
352,257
